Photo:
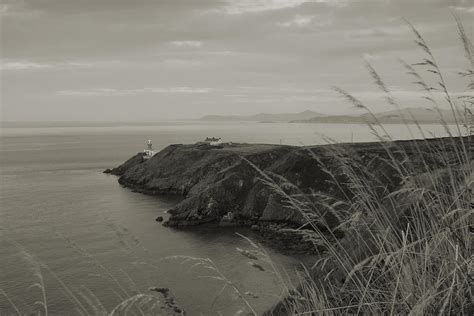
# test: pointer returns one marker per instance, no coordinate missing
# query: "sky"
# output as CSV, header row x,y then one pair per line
x,y
148,60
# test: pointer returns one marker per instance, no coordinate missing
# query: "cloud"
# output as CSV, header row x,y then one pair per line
x,y
297,21
123,92
304,21
249,6
12,65
220,53
370,56
4,9
463,8
180,63
409,95
186,43
367,33
383,31
116,48
22,65
15,9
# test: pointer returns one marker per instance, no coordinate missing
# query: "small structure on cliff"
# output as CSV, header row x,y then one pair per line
x,y
213,141
149,152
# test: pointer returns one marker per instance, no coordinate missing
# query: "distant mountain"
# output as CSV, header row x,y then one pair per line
x,y
422,115
405,115
264,117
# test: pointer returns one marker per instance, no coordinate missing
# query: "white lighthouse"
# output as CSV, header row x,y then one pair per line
x,y
149,152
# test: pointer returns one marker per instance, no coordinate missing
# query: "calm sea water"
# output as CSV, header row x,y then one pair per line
x,y
60,215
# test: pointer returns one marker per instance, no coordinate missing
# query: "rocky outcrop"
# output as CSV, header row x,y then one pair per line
x,y
168,306
135,160
249,184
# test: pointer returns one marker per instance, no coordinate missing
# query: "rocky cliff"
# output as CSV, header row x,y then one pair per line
x,y
251,184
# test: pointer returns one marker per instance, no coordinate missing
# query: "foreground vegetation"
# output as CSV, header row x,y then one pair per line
x,y
409,251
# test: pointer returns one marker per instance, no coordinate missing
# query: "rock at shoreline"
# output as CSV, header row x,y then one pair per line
x,y
159,219
135,160
169,306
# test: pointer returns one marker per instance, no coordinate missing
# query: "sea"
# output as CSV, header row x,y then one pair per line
x,y
71,236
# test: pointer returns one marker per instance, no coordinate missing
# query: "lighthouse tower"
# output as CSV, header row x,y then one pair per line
x,y
149,152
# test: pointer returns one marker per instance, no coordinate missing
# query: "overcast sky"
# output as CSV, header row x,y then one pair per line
x,y
160,59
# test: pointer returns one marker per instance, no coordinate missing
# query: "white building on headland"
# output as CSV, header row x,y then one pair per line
x,y
149,152
214,141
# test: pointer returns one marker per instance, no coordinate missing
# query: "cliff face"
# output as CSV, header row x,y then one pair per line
x,y
213,181
246,184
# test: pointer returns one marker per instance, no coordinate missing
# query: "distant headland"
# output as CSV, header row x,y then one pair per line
x,y
263,117
402,116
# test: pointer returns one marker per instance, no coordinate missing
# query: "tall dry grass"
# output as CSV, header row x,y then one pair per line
x,y
408,250
82,300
